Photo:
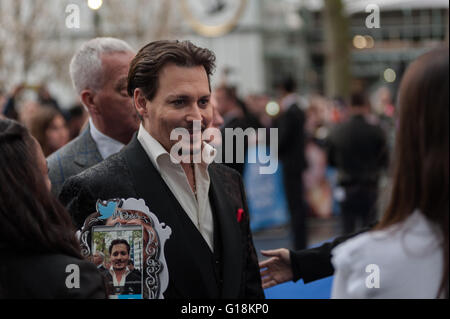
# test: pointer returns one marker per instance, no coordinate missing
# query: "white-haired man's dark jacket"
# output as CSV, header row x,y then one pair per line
x,y
78,155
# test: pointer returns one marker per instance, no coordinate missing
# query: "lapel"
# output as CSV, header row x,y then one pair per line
x,y
189,258
230,241
87,154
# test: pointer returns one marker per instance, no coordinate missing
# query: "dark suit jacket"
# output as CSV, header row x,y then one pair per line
x,y
44,277
358,150
291,139
194,271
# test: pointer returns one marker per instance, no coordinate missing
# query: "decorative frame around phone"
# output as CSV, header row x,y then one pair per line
x,y
154,261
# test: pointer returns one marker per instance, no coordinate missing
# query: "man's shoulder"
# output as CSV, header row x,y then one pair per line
x,y
113,166
72,159
339,131
291,115
295,110
224,171
108,179
72,148
225,178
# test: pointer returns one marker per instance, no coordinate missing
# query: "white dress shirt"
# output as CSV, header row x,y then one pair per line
x,y
120,283
198,209
409,257
106,145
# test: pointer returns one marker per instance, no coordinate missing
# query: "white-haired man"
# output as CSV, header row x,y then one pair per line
x,y
99,71
98,259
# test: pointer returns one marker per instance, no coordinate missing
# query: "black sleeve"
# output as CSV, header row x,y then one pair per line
x,y
384,151
253,285
331,150
315,263
92,283
283,124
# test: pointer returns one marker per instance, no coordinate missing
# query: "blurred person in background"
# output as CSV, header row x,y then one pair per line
x,y
2,98
2,102
256,105
36,232
26,111
99,71
48,126
98,259
227,105
291,151
44,98
217,118
359,152
77,118
319,178
319,116
9,105
235,115
217,123
410,246
385,113
12,110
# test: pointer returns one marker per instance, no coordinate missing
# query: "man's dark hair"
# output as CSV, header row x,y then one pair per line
x,y
288,84
149,61
358,100
118,242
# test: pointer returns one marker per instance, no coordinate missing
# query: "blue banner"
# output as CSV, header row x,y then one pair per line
x,y
265,195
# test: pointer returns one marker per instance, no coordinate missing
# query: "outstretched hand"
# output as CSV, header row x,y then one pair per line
x,y
277,269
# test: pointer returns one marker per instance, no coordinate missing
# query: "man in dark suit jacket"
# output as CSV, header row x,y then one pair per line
x,y
235,115
210,253
99,71
291,150
358,149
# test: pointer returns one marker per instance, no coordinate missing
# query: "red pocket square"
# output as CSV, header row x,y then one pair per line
x,y
240,214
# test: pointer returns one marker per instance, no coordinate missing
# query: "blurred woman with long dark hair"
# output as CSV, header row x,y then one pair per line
x,y
40,254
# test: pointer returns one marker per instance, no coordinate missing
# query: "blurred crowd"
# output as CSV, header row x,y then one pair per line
x,y
315,181
34,107
311,156
333,154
